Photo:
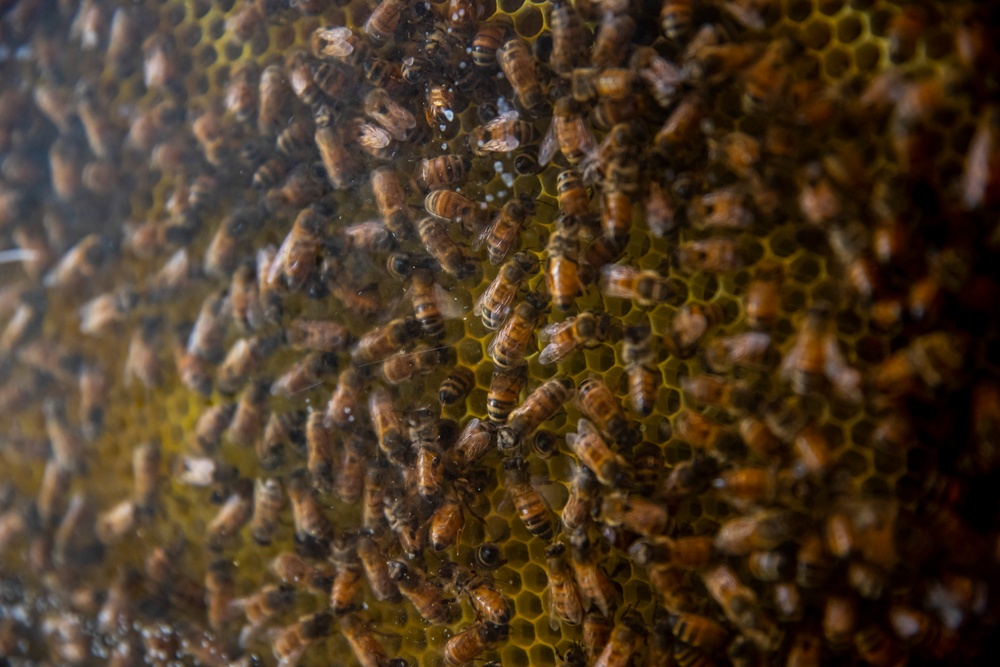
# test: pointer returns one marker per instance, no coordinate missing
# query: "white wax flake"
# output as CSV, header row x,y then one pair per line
x,y
508,179
443,127
498,167
444,146
449,114
489,198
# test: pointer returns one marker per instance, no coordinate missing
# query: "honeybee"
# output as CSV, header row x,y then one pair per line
x,y
980,174
565,602
292,641
465,646
489,37
247,421
763,297
689,326
475,440
450,205
273,92
518,66
502,134
311,371
404,366
67,445
391,200
387,424
444,171
699,631
751,350
502,234
290,568
261,607
160,65
569,41
562,269
489,603
676,19
538,407
568,133
268,502
242,362
733,396
141,359
494,304
646,287
740,605
505,388
765,81
384,20
456,386
718,255
681,127
529,504
446,523
816,357
51,499
839,621
596,587
424,432
593,452
763,530
635,513
295,260
364,643
929,361
440,104
82,262
698,431
373,504
428,303
341,164
812,450
220,589
748,487
346,587
376,568
426,598
311,525
640,364
509,347
393,117
612,40
587,330
583,493
382,341
235,512
210,426
574,202
348,483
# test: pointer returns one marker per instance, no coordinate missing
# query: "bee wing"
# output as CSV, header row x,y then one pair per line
x,y
549,146
550,330
553,352
589,142
373,136
451,306
484,234
584,428
612,278
336,41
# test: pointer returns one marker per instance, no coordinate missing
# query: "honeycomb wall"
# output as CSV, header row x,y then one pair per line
x,y
938,480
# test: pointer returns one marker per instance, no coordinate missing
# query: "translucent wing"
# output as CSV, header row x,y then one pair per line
x,y
484,234
373,136
336,42
549,146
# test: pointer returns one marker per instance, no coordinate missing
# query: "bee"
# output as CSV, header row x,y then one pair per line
x,y
391,200
689,326
562,269
220,590
812,450
565,602
750,350
763,530
146,475
442,172
505,388
518,66
763,297
475,440
635,513
538,407
341,43
568,133
387,424
296,258
748,487
612,40
402,517
724,208
765,81
384,20
646,287
346,587
676,19
243,361
593,452
489,37
489,603
700,432
464,647
240,98
311,371
273,93
213,137
393,117
341,164
364,643
427,304
502,134
235,513
376,568
292,569
930,361
379,343
596,633
311,525
839,621
979,176
202,471
51,500
733,396
741,607
510,345
446,523
640,365
247,421
718,255
404,366
68,447
426,598
348,483
596,588
375,487
262,607
569,40
292,641
450,205
456,386
141,359
370,236
160,65
583,493
424,431
681,127
502,234
439,105
123,38
529,504
344,406
494,304
587,330
814,353
268,502
574,201
699,631
82,262
223,253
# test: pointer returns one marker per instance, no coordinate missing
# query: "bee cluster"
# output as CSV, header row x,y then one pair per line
x,y
593,333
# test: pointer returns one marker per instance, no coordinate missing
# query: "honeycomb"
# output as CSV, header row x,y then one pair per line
x,y
138,187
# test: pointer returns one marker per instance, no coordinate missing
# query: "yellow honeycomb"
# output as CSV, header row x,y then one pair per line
x,y
844,46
